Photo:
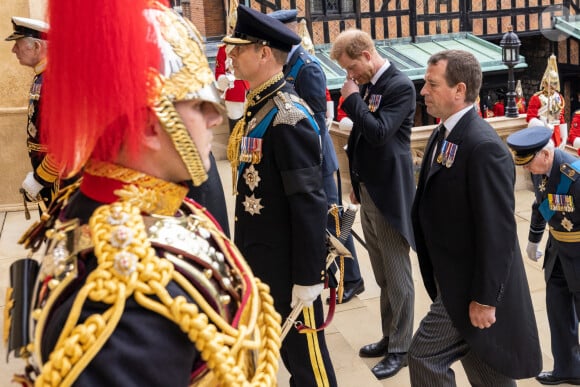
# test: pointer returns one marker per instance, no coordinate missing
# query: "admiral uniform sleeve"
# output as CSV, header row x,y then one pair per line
x,y
297,152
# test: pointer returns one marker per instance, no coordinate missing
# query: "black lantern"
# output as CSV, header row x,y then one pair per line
x,y
510,47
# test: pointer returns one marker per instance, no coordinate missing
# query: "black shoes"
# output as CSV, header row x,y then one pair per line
x,y
350,290
390,365
377,349
548,378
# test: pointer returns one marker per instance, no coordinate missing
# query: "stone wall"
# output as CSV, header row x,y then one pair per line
x,y
419,137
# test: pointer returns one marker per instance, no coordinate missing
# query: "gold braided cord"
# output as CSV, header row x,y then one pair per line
x,y
118,231
334,212
239,131
150,194
174,126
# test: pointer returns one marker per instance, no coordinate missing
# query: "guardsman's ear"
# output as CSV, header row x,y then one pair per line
x,y
152,133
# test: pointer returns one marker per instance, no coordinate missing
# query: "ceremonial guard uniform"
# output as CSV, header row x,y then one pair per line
x,y
546,107
138,285
280,210
574,137
557,193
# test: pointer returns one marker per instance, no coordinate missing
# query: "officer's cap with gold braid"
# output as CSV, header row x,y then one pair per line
x,y
526,143
110,67
256,27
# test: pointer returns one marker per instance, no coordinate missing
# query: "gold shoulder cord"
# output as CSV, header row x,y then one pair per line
x,y
128,266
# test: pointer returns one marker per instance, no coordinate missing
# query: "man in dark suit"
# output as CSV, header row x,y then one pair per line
x,y
304,72
555,175
380,100
470,260
280,203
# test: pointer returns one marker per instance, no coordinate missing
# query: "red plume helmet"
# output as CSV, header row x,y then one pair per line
x,y
95,89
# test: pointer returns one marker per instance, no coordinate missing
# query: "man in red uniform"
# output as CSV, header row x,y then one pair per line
x,y
546,107
234,89
574,137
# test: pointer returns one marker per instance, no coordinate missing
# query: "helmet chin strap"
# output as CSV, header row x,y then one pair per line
x,y
174,126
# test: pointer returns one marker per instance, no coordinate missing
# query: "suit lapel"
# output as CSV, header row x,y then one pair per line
x,y
455,137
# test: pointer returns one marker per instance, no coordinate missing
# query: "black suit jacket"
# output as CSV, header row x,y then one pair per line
x,y
379,147
467,244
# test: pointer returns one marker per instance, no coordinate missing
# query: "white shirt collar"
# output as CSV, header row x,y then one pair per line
x,y
453,119
378,74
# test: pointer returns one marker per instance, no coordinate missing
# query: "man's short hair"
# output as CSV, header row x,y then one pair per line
x,y
351,42
462,66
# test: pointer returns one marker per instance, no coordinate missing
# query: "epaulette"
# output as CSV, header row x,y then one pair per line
x,y
288,114
569,171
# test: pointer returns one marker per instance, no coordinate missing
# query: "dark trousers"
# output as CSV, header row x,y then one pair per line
x,y
437,345
563,307
305,355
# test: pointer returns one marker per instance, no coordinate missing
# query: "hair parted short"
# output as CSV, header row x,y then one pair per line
x,y
462,66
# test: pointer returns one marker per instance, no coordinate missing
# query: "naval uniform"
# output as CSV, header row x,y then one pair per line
x,y
280,218
45,170
557,198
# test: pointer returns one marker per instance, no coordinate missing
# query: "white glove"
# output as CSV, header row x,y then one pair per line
x,y
536,122
31,186
306,294
576,143
225,81
329,113
533,253
564,135
345,124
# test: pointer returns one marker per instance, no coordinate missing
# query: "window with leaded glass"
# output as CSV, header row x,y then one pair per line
x,y
331,7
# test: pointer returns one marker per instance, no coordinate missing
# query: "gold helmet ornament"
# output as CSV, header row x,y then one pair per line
x,y
519,89
305,35
148,58
551,80
232,15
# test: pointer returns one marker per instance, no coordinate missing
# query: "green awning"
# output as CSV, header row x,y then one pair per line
x,y
411,58
569,25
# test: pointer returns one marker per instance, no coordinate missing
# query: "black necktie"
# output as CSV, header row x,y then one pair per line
x,y
440,138
368,92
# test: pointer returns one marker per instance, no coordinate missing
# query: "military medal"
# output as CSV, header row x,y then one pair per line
x,y
567,224
450,153
251,150
447,155
542,185
252,205
374,102
251,177
564,203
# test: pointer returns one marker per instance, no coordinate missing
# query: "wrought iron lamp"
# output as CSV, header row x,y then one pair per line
x,y
510,47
